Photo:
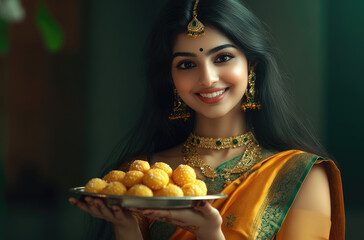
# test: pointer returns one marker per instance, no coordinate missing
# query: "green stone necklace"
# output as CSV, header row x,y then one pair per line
x,y
251,156
219,143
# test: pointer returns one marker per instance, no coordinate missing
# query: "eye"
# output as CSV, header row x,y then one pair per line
x,y
185,65
224,58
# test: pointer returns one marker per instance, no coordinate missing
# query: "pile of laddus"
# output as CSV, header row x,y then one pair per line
x,y
143,180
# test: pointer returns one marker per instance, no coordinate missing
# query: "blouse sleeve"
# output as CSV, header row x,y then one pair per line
x,y
304,225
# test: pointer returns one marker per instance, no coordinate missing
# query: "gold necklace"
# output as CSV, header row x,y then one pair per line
x,y
250,157
219,143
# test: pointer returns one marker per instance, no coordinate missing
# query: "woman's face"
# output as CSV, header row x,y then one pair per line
x,y
210,73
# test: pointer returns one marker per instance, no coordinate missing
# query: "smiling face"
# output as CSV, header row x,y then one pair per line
x,y
210,73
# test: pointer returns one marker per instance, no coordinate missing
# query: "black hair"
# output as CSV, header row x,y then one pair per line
x,y
277,126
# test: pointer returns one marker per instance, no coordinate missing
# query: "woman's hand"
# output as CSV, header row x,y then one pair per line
x,y
125,224
203,220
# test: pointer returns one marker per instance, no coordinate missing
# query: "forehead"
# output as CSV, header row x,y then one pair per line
x,y
211,39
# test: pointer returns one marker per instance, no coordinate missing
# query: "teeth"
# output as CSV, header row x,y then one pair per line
x,y
212,95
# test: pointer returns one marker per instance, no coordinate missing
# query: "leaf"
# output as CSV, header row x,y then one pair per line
x,y
4,37
51,32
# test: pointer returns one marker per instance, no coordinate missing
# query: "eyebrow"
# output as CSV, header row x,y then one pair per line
x,y
211,51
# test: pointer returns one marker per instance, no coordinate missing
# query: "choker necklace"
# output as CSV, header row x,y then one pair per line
x,y
220,143
249,158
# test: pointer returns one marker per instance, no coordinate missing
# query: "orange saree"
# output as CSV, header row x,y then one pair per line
x,y
258,202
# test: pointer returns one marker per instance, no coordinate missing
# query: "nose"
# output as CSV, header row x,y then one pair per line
x,y
208,76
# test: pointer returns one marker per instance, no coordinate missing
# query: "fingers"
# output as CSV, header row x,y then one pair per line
x,y
184,218
209,212
206,209
119,213
97,208
83,206
157,214
94,208
103,210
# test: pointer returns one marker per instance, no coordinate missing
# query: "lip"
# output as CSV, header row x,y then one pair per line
x,y
214,99
210,90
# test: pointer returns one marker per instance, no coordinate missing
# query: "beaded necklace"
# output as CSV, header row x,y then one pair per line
x,y
251,156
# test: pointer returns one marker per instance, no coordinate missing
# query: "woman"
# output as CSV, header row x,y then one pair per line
x,y
216,101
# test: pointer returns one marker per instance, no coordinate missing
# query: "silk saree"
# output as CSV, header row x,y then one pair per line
x,y
258,201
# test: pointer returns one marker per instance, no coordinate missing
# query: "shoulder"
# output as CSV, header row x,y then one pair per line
x,y
314,193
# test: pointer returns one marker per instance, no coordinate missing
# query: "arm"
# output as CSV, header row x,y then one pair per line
x,y
309,216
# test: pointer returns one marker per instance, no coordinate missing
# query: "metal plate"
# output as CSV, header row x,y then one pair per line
x,y
147,202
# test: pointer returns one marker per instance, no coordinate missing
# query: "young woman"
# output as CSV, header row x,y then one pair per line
x,y
216,101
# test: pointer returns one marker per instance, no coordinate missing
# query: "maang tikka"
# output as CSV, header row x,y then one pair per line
x,y
195,28
179,110
251,102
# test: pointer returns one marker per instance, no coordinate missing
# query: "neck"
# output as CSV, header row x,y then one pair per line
x,y
231,124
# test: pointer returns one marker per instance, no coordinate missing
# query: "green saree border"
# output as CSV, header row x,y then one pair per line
x,y
280,196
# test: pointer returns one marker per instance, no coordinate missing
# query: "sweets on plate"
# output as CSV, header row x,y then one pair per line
x,y
116,188
145,180
192,189
164,166
171,181
133,177
140,165
140,190
202,185
114,176
156,179
95,185
170,190
184,174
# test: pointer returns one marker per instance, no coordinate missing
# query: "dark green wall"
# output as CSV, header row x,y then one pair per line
x,y
116,33
345,95
345,87
298,29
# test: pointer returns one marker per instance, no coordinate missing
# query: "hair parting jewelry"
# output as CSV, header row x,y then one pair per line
x,y
251,102
249,158
195,28
179,110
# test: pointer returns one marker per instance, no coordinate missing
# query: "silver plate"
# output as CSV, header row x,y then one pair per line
x,y
147,202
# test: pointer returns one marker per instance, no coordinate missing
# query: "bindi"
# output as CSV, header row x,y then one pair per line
x,y
201,49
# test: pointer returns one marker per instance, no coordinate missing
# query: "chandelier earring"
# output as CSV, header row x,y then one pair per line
x,y
179,110
251,102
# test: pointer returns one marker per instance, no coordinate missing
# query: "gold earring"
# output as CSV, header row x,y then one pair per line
x,y
251,102
179,110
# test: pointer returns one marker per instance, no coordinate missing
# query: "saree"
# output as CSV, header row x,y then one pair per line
x,y
258,201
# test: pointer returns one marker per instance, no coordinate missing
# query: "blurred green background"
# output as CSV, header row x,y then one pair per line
x,y
62,111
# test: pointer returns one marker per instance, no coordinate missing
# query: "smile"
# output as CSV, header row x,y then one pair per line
x,y
211,96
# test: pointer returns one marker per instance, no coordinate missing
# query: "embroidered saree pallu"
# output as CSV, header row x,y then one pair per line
x,y
258,203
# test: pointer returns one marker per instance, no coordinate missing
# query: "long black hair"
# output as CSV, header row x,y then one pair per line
x,y
277,126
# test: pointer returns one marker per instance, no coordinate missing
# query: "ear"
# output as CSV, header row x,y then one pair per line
x,y
252,65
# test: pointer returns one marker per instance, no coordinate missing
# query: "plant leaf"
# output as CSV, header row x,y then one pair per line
x,y
51,32
4,37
